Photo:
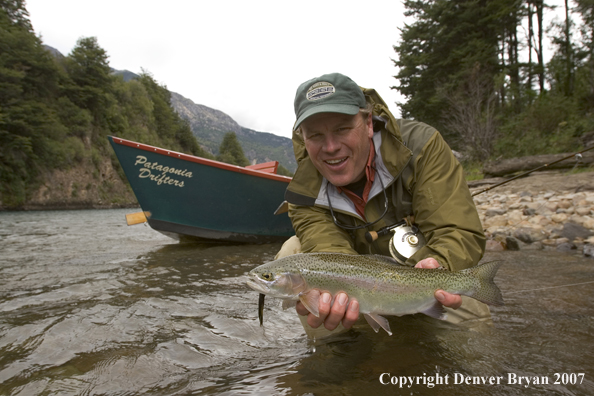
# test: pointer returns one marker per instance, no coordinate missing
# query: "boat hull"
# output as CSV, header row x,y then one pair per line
x,y
192,197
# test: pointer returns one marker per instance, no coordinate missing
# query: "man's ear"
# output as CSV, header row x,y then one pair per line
x,y
370,125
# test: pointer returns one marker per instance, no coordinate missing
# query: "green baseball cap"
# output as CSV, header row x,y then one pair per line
x,y
330,93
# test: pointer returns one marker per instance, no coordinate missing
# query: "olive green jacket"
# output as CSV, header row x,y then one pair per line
x,y
421,177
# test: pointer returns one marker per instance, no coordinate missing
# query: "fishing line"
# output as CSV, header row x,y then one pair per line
x,y
550,287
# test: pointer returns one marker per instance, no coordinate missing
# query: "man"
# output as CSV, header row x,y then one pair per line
x,y
360,169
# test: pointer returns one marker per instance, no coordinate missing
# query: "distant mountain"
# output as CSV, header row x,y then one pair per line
x,y
210,126
126,74
57,54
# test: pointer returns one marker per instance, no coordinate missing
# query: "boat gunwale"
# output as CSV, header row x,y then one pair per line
x,y
200,160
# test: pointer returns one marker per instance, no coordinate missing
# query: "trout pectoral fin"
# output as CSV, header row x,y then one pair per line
x,y
436,311
311,301
376,321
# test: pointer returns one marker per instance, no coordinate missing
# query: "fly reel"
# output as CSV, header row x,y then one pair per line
x,y
406,239
405,242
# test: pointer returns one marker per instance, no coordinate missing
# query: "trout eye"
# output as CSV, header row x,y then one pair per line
x,y
267,276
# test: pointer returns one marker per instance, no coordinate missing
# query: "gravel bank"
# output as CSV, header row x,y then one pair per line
x,y
548,211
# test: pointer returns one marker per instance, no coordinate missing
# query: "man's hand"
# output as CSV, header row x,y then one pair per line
x,y
341,311
449,300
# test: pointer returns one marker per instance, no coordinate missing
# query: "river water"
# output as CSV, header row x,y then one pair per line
x,y
90,306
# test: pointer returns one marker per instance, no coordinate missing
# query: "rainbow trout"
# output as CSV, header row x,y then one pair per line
x,y
378,283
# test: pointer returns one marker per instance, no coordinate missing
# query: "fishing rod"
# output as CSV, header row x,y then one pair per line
x,y
533,170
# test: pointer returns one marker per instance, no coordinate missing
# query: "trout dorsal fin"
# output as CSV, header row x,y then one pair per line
x,y
376,321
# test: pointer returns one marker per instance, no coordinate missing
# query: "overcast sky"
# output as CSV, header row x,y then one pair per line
x,y
245,58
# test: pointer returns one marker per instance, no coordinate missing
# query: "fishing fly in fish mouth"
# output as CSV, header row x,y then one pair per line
x,y
379,284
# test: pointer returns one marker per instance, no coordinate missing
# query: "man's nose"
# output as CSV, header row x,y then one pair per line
x,y
331,143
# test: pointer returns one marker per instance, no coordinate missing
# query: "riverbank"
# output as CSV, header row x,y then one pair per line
x,y
549,210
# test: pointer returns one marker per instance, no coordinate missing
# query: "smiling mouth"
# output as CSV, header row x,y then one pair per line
x,y
335,161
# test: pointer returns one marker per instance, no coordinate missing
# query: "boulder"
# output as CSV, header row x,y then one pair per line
x,y
529,234
572,231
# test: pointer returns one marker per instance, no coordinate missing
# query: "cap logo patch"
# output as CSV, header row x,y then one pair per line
x,y
320,90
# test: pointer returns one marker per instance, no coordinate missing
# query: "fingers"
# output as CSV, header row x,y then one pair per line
x,y
337,311
332,314
324,310
428,262
301,310
449,300
351,315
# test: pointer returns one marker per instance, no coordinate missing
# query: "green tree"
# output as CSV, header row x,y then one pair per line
x,y
439,51
284,171
585,74
231,152
28,119
92,85
170,127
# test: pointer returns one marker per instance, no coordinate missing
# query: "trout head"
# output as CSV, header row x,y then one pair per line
x,y
276,282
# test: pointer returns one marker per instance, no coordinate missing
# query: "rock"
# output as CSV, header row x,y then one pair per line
x,y
529,234
572,231
516,205
577,219
589,224
495,211
582,210
512,243
529,212
589,250
514,218
575,198
495,221
565,204
566,247
559,217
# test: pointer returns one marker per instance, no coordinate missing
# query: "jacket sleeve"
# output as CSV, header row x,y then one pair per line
x,y
444,209
317,232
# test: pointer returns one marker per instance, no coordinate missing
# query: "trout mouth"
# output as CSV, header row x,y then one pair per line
x,y
257,284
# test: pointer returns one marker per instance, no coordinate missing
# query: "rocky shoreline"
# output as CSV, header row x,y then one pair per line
x,y
553,212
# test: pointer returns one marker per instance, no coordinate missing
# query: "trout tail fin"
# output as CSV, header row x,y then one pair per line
x,y
486,290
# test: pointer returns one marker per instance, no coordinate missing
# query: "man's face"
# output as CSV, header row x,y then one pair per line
x,y
338,145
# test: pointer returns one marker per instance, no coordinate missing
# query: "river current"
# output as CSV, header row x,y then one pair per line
x,y
90,306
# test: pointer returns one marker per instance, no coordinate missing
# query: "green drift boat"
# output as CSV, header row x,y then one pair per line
x,y
189,197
